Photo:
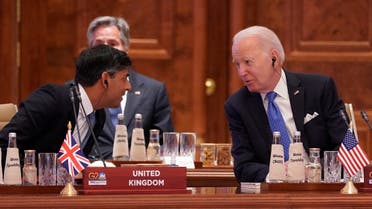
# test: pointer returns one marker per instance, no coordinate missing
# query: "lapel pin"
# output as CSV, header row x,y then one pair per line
x,y
137,93
296,92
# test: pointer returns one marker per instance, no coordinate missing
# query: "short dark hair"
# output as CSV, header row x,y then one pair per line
x,y
92,62
119,22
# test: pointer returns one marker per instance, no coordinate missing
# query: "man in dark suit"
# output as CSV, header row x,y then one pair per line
x,y
148,96
41,122
308,103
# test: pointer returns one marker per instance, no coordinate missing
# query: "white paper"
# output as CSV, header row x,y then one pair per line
x,y
182,161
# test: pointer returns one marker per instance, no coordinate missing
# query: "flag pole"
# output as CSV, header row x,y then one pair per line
x,y
69,189
349,187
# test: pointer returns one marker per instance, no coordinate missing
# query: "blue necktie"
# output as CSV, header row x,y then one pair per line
x,y
277,123
114,115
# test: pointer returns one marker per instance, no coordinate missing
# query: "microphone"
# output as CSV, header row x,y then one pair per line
x,y
72,98
342,113
97,149
366,119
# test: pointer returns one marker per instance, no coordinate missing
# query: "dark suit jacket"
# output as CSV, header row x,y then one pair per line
x,y
148,97
41,120
250,130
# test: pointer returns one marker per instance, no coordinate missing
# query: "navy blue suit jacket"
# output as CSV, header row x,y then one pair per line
x,y
250,129
41,121
148,97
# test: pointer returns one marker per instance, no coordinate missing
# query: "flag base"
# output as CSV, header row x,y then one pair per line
x,y
349,188
69,190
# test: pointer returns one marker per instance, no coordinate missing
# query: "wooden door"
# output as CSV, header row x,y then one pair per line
x,y
167,43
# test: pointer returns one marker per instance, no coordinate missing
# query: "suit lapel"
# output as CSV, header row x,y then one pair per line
x,y
260,117
134,97
296,96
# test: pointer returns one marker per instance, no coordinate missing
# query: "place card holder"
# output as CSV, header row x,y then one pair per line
x,y
134,179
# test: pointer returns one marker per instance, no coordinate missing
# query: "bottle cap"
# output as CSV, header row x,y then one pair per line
x,y
120,116
138,116
12,142
276,133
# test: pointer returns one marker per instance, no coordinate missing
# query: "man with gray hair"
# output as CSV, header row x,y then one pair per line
x,y
308,103
147,96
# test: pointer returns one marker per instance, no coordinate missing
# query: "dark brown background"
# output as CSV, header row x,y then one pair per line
x,y
184,42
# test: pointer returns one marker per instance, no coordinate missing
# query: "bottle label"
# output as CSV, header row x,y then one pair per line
x,y
277,170
296,165
120,149
138,149
12,171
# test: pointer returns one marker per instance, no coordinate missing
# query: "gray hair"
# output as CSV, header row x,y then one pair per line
x,y
119,22
268,38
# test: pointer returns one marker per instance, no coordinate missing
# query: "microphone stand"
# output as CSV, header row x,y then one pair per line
x,y
72,97
366,119
98,150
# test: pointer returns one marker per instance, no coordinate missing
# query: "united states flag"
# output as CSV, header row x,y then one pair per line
x,y
71,157
351,155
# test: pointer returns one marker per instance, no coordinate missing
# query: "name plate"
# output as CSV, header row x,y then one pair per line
x,y
134,179
367,186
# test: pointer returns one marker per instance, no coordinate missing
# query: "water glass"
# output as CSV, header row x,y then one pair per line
x,y
47,169
171,145
187,144
332,167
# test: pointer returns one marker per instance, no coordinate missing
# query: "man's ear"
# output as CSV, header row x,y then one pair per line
x,y
104,79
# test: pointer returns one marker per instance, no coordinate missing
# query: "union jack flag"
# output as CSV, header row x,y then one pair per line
x,y
351,155
71,157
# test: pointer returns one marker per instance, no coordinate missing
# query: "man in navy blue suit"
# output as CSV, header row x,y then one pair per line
x,y
148,96
309,103
41,121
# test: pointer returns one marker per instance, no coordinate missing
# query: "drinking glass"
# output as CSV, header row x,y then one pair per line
x,y
47,169
187,144
171,145
332,167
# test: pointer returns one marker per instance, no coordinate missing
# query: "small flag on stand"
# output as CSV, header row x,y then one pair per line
x,y
70,155
351,155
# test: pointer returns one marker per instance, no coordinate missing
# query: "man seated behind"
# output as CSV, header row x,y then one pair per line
x,y
148,96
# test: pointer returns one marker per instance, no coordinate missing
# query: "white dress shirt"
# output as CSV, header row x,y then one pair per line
x,y
81,119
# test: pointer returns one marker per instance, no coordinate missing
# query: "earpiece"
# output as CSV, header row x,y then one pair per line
x,y
273,61
106,83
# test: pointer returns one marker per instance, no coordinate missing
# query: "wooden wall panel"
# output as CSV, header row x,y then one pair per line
x,y
183,42
161,47
48,36
8,51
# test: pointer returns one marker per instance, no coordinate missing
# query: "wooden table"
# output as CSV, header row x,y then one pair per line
x,y
275,196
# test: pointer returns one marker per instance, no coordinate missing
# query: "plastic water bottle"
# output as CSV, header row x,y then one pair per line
x,y
138,147
276,167
296,164
314,168
153,150
29,168
120,149
12,170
